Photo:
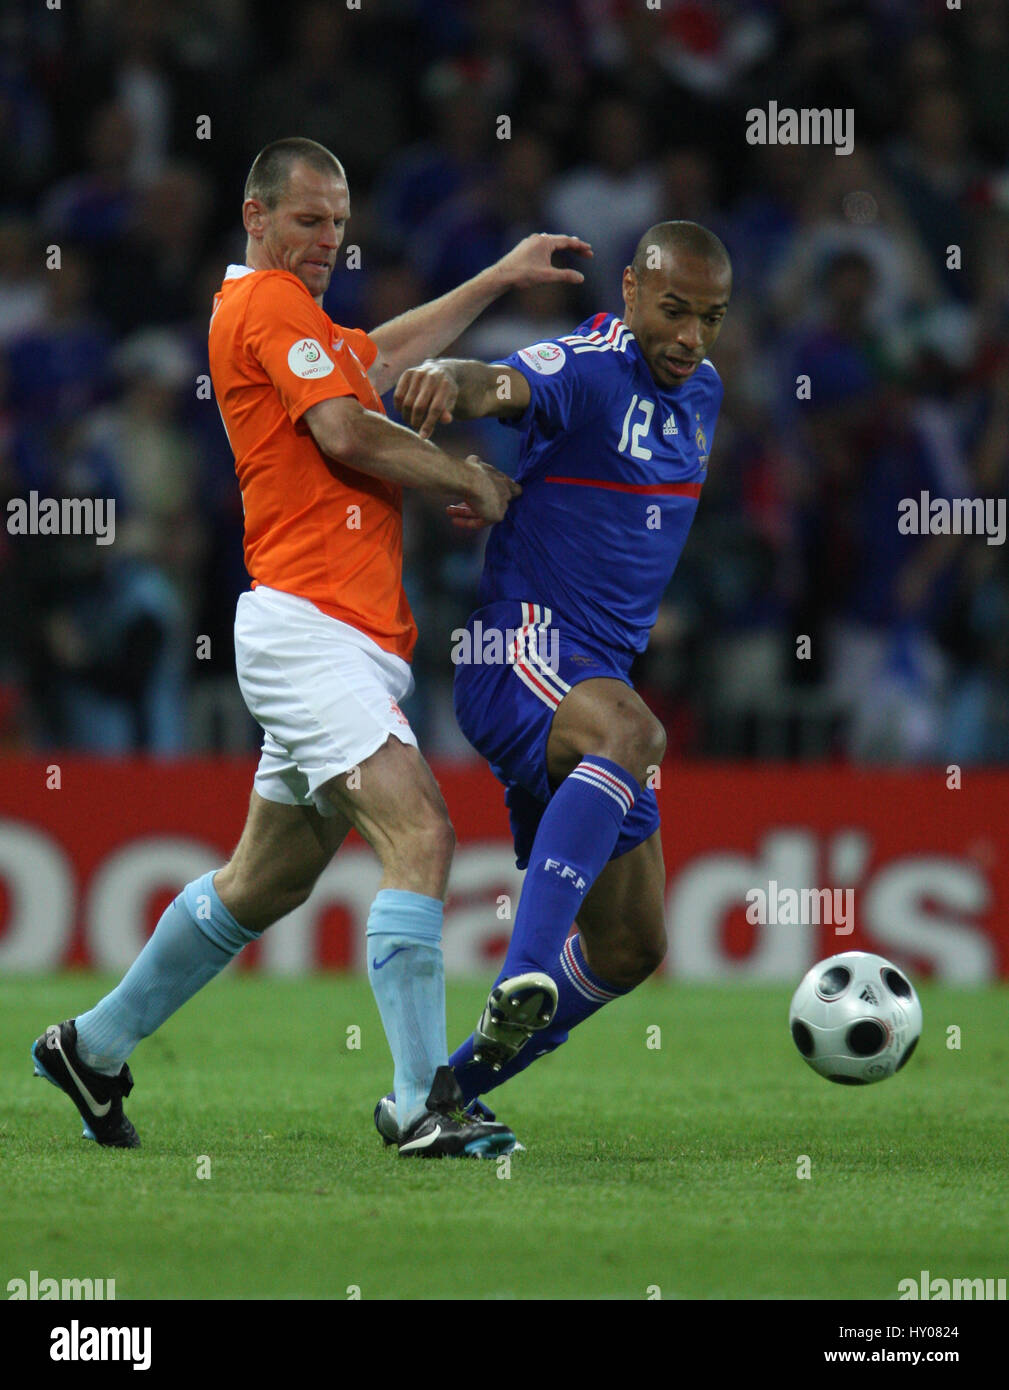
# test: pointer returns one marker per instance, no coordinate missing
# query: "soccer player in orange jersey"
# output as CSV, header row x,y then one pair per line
x,y
323,642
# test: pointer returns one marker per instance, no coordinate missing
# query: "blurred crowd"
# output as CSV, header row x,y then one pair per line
x,y
126,131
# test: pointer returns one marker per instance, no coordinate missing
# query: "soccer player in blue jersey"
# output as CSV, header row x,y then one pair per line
x,y
617,421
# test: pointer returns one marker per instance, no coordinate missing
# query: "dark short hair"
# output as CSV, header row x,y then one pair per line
x,y
271,168
688,237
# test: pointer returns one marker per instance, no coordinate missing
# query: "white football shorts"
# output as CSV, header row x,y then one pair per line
x,y
326,695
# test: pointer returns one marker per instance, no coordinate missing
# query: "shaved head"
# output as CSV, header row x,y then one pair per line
x,y
271,170
296,208
676,294
668,239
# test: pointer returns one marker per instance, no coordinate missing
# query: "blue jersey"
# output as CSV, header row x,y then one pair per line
x,y
611,468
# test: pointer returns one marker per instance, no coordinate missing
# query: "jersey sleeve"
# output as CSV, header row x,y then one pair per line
x,y
363,348
290,338
565,388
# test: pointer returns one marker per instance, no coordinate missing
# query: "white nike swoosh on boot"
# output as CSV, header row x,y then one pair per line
x,y
99,1110
425,1141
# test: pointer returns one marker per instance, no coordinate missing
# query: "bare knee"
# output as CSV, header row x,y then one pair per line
x,y
619,727
638,743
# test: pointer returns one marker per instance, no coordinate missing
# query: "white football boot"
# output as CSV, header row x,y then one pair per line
x,y
516,1009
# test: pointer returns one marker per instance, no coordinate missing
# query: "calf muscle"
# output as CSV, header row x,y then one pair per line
x,y
622,920
282,851
395,804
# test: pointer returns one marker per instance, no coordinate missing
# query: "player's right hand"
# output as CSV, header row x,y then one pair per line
x,y
487,498
425,396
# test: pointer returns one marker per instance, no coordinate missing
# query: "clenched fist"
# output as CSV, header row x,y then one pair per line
x,y
488,498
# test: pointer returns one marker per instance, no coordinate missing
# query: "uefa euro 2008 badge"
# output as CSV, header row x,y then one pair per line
x,y
307,358
545,358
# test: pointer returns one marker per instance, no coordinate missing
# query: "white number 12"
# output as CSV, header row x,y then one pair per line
x,y
639,430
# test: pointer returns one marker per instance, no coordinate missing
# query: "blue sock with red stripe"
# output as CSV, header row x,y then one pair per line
x,y
580,993
574,840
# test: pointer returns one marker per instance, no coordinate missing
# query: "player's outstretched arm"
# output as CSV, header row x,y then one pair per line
x,y
370,443
454,389
428,330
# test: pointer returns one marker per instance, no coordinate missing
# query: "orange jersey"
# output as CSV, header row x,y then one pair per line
x,y
313,526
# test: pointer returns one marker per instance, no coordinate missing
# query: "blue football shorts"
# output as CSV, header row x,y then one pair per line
x,y
514,664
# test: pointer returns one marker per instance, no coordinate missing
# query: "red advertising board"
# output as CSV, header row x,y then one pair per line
x,y
92,850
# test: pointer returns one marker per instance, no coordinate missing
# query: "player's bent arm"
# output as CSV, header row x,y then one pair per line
x,y
446,389
428,329
370,443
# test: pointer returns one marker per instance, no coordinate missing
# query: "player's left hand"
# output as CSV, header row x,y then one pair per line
x,y
531,263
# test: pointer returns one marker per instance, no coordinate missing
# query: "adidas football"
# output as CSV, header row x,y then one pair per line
x,y
855,1018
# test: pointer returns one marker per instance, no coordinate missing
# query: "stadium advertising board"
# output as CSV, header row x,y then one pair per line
x,y
92,851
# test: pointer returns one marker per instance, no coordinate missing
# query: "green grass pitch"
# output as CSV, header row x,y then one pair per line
x,y
671,1166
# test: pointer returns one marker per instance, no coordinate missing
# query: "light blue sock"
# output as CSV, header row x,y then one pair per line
x,y
193,942
407,974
